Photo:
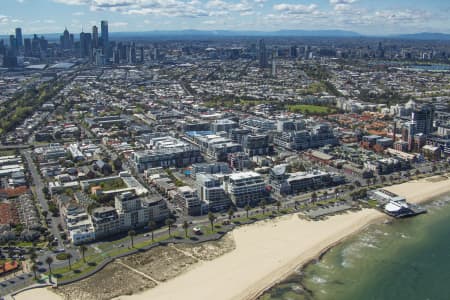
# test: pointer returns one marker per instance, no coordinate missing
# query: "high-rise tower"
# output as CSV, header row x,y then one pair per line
x,y
95,42
105,38
19,38
262,54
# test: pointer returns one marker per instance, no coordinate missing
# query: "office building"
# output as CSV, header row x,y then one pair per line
x,y
131,211
95,40
245,188
187,198
166,157
210,168
424,119
106,221
294,183
27,47
156,207
85,45
262,54
314,137
105,38
65,40
256,144
211,192
19,38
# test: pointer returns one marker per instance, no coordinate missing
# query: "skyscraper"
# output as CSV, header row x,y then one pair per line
x,y
262,54
85,44
105,38
424,119
65,40
12,44
19,38
27,46
95,42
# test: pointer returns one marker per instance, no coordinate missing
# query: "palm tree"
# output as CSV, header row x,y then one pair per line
x,y
169,223
33,256
278,204
131,234
262,204
152,226
247,209
230,213
34,268
69,257
186,227
211,218
49,261
314,197
83,250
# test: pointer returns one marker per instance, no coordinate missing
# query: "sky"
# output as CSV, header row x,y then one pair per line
x,y
370,17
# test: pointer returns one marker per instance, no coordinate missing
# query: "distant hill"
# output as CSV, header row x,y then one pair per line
x,y
230,33
424,36
192,34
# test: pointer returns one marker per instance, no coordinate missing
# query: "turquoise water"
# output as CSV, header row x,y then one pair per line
x,y
404,260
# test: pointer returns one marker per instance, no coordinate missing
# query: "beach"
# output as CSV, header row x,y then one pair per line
x,y
268,251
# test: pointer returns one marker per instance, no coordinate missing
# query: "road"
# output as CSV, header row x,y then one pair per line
x,y
38,186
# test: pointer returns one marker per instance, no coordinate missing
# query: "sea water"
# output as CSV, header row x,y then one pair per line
x,y
405,259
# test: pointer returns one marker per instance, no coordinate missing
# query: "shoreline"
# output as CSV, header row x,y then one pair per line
x,y
400,189
305,262
326,235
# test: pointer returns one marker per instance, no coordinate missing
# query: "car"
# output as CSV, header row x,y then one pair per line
x,y
147,234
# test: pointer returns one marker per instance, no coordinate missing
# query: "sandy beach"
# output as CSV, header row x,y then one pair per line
x,y
423,190
37,294
268,251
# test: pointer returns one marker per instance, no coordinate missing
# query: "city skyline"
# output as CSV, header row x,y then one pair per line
x,y
365,17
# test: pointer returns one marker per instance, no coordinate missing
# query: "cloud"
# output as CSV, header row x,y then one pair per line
x,y
4,19
72,2
335,2
118,24
338,14
243,6
295,9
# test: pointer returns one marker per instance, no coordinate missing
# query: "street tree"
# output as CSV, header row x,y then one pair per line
x,y
262,204
83,250
186,227
169,223
211,218
131,234
49,261
247,209
69,259
230,213
152,227
34,268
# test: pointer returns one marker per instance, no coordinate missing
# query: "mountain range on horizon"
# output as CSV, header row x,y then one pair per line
x,y
192,33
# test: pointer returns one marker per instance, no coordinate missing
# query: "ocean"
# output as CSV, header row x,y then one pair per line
x,y
405,259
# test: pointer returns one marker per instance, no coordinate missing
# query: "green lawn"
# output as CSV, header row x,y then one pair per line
x,y
310,109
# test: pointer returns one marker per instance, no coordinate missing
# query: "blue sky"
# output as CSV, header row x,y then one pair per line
x,y
364,16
